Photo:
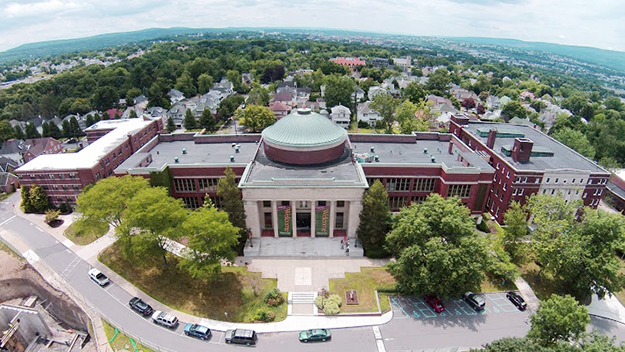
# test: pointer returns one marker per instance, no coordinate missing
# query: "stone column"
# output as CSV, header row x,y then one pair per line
x,y
355,207
294,218
332,217
252,220
313,213
274,217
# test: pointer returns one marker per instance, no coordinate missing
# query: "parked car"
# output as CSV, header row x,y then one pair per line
x,y
315,335
196,330
477,302
517,300
97,276
434,303
139,306
165,319
241,336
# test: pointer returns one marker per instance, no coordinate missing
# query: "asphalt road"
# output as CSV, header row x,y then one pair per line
x,y
414,326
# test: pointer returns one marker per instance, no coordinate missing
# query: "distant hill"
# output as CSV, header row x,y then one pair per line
x,y
606,58
58,47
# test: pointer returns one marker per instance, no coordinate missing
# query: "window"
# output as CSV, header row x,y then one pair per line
x,y
508,174
266,204
514,192
285,203
547,179
497,166
417,200
339,203
396,202
573,181
556,180
521,191
184,185
423,185
397,184
505,186
461,191
321,203
339,220
190,202
581,181
585,195
51,176
209,185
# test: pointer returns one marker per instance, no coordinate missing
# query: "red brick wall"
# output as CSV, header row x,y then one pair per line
x,y
304,158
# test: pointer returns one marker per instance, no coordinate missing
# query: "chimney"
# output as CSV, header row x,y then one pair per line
x,y
451,148
492,135
460,120
522,150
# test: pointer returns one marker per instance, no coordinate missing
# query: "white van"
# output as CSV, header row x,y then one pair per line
x,y
165,319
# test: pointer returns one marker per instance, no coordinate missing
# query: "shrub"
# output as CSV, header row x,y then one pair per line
x,y
330,305
331,308
319,301
363,124
52,216
482,226
265,316
274,298
334,299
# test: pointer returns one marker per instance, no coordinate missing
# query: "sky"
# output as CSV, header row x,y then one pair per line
x,y
595,23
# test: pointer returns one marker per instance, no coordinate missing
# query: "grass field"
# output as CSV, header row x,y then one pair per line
x,y
121,341
364,283
237,292
83,235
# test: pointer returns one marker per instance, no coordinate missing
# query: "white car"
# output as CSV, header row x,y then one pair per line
x,y
97,276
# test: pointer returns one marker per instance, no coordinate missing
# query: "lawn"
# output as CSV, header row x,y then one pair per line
x,y
490,284
82,235
543,285
7,249
621,294
237,292
121,342
4,196
364,283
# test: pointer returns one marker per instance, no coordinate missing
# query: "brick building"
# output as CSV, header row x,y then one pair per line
x,y
526,162
63,176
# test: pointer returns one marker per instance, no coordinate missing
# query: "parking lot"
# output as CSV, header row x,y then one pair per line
x,y
417,308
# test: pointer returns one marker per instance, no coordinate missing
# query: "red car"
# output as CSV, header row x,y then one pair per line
x,y
435,303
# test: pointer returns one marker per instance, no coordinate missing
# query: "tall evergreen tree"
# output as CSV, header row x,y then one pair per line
x,y
19,134
54,131
375,220
171,126
207,121
189,120
232,204
75,127
31,131
38,199
45,129
67,129
26,204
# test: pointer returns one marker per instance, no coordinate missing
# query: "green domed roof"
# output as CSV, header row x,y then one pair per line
x,y
304,128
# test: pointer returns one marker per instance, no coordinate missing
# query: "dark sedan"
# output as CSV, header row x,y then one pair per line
x,y
315,335
517,300
141,307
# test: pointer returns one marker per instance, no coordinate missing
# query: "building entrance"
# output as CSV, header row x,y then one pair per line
x,y
302,222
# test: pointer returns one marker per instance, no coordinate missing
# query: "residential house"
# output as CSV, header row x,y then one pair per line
x,y
7,164
38,146
350,62
403,62
503,101
8,182
340,115
529,95
175,96
279,110
492,102
359,94
246,77
285,98
379,62
443,114
112,114
176,113
290,84
366,114
491,115
12,149
375,90
436,101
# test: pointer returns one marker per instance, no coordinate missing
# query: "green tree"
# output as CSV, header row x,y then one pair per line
x,y
232,204
171,126
258,95
515,232
438,82
105,98
133,114
131,94
211,238
54,131
38,199
151,220
67,129
27,206
256,117
375,220
207,121
339,90
575,140
514,109
189,122
6,131
437,248
19,134
45,129
558,319
184,83
385,105
204,83
106,201
31,131
414,92
406,115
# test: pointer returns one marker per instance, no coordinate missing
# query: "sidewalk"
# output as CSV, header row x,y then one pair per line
x,y
90,253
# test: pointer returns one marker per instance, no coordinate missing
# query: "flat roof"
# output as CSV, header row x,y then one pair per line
x,y
164,153
415,153
93,153
563,157
267,173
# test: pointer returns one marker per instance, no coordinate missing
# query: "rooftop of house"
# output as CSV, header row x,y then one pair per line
x,y
547,153
93,153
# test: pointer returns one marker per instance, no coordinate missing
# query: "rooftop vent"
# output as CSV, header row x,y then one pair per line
x,y
236,148
184,150
303,111
233,144
377,158
231,158
175,159
433,158
425,150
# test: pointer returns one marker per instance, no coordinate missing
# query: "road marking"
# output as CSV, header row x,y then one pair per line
x,y
39,229
68,243
31,256
380,345
377,333
7,220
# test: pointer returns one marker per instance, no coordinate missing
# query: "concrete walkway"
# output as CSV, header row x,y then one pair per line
x,y
527,293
